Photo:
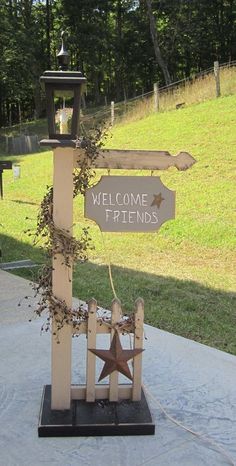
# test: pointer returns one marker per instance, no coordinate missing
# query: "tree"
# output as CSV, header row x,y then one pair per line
x,y
157,50
112,42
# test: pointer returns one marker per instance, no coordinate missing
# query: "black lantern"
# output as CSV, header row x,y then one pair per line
x,y
63,95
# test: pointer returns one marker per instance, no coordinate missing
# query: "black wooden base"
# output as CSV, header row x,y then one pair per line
x,y
91,419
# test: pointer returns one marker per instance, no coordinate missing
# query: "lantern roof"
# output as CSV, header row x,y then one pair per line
x,y
62,77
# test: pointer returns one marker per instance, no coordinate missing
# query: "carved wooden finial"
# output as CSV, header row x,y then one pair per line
x,y
63,55
184,160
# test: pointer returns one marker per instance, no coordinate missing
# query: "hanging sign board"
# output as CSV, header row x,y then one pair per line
x,y
129,203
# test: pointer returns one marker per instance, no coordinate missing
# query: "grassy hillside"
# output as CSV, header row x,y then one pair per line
x,y
186,93
186,271
205,219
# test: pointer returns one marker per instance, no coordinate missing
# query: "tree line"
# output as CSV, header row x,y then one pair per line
x,y
122,46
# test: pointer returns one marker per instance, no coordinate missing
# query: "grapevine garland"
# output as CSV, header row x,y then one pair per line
x,y
57,241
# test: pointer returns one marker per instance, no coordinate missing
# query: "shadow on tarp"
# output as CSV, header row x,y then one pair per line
x,y
183,307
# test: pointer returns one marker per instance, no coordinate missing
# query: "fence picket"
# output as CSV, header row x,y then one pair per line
x,y
90,392
114,377
138,344
91,358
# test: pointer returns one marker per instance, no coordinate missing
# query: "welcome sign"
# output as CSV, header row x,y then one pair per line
x,y
129,203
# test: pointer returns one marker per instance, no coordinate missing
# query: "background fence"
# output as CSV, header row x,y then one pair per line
x,y
220,80
22,144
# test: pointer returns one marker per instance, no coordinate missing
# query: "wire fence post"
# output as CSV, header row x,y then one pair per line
x,y
217,77
156,97
112,112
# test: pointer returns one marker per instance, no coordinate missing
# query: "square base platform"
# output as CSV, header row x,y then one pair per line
x,y
102,417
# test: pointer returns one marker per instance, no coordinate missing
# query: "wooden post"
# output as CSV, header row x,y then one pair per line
x,y
217,77
1,184
10,115
91,358
19,113
156,97
114,377
62,280
7,145
112,112
138,344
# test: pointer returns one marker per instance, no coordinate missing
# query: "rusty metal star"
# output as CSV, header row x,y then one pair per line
x,y
157,200
116,358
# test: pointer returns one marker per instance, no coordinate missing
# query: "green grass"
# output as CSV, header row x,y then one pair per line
x,y
186,271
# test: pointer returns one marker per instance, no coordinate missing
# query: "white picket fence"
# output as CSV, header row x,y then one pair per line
x,y
113,391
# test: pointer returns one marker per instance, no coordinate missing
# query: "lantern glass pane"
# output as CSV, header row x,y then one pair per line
x,y
63,102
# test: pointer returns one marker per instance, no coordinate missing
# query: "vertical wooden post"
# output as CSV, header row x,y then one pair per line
x,y
1,184
114,377
10,115
217,77
62,280
7,145
156,97
112,112
91,358
19,113
138,344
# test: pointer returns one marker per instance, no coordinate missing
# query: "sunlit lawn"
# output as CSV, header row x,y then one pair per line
x,y
186,271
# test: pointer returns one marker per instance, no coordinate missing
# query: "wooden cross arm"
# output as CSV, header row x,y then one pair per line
x,y
137,159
